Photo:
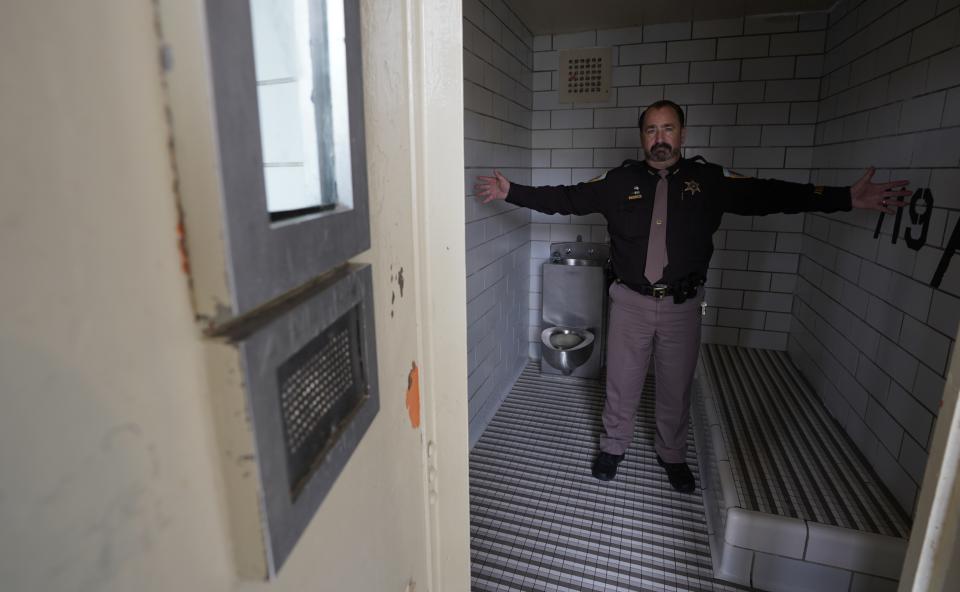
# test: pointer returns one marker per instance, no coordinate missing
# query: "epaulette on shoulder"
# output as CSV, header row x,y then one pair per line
x,y
701,161
625,164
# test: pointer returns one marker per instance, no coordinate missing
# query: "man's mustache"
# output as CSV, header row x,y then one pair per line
x,y
661,145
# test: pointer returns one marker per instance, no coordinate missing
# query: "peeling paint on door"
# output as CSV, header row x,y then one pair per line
x,y
413,395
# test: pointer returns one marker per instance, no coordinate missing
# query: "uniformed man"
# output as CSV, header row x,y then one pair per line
x,y
661,215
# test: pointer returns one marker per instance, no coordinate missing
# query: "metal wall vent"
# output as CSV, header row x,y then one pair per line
x,y
321,387
585,75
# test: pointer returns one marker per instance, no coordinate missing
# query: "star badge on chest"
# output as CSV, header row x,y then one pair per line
x,y
635,194
691,187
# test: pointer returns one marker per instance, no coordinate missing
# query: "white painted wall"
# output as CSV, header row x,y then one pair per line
x,y
109,475
869,331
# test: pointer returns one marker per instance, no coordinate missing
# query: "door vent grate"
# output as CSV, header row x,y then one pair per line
x,y
321,386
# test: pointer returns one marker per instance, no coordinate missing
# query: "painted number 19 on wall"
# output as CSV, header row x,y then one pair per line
x,y
920,210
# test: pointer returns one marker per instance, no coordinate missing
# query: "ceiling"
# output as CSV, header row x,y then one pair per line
x,y
567,16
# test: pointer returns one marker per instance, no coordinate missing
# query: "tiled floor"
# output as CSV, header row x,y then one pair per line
x,y
540,521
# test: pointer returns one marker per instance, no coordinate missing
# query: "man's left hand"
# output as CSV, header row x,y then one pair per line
x,y
867,195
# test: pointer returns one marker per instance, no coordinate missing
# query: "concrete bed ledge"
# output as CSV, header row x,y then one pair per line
x,y
772,551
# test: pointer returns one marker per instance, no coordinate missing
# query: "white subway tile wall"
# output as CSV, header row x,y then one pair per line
x,y
869,331
750,88
499,84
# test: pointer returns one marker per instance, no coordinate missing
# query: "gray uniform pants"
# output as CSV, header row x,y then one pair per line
x,y
641,326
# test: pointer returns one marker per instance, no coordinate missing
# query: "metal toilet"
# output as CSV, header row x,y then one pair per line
x,y
573,308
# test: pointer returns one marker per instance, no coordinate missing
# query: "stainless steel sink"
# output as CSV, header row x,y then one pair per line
x,y
579,253
594,262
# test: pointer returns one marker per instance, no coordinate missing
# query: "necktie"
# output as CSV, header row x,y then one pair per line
x,y
657,245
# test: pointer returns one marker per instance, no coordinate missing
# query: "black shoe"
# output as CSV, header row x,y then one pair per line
x,y
679,475
605,465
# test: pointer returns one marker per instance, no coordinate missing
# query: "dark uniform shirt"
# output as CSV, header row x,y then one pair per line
x,y
698,192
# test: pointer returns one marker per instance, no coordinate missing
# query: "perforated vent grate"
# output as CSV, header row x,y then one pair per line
x,y
321,386
585,75
311,392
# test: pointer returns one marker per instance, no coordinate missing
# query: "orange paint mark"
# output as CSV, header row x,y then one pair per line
x,y
413,395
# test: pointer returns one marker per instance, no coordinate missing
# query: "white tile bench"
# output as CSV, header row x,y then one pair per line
x,y
791,505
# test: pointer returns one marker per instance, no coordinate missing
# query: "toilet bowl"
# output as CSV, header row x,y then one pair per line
x,y
566,348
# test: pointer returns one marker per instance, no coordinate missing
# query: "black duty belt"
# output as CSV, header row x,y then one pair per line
x,y
656,290
660,291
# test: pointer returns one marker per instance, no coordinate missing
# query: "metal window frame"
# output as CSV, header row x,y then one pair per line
x,y
267,259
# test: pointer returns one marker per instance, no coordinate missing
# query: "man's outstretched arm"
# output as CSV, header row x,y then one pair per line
x,y
580,199
757,197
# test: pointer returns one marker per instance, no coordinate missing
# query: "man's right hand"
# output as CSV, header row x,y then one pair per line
x,y
491,188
